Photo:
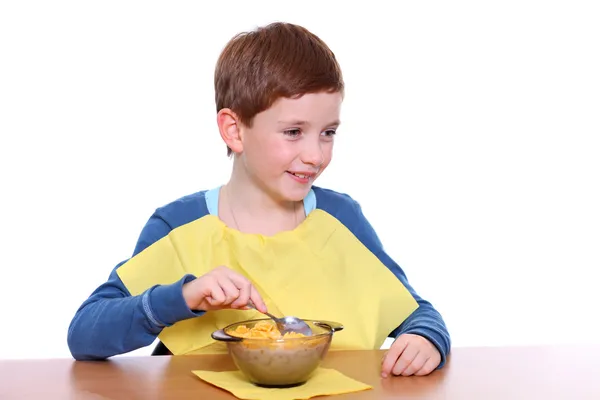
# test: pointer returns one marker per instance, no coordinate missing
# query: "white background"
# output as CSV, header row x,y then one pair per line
x,y
470,136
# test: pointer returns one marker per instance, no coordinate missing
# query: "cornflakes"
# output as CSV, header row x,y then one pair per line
x,y
262,330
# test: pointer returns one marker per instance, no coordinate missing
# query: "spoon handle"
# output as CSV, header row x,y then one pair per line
x,y
251,305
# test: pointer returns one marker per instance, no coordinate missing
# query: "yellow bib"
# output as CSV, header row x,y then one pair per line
x,y
319,271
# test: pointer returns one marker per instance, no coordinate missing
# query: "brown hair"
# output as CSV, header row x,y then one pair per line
x,y
278,60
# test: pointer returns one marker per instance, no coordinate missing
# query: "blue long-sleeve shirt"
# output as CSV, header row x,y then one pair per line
x,y
112,321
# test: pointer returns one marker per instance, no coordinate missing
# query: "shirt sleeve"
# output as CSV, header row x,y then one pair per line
x,y
112,322
426,321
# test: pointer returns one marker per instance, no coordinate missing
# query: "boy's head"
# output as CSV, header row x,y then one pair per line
x,y
278,91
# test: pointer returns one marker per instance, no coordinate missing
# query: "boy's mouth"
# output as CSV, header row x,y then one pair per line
x,y
302,176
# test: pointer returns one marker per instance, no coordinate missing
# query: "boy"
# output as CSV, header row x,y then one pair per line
x,y
268,235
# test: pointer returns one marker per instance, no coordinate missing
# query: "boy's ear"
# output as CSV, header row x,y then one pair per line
x,y
230,129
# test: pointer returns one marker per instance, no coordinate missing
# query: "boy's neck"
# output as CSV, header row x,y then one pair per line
x,y
255,211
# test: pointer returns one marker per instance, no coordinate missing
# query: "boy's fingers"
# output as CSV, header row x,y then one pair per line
x,y
428,367
257,300
230,290
407,357
216,296
416,364
244,295
391,356
244,286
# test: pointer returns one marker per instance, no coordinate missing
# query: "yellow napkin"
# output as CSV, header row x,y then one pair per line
x,y
324,382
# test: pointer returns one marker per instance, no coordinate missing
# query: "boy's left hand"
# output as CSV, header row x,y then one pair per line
x,y
410,355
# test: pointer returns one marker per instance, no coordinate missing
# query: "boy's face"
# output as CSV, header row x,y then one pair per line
x,y
290,144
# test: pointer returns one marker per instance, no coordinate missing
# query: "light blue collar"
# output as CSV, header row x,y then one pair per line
x,y
212,201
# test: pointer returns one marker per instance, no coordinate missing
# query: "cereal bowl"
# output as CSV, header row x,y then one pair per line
x,y
268,359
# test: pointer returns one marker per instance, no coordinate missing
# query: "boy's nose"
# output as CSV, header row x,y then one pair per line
x,y
312,154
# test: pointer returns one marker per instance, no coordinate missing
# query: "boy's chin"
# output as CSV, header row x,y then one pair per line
x,y
295,194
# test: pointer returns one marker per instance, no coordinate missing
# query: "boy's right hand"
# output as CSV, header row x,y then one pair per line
x,y
219,289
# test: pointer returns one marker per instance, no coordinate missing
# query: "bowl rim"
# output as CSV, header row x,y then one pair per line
x,y
221,334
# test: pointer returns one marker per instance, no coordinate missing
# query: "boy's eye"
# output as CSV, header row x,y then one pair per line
x,y
329,132
292,132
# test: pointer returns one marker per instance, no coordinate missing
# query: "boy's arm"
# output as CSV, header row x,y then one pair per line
x,y
112,322
426,321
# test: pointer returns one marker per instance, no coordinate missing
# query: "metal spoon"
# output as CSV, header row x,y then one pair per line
x,y
287,324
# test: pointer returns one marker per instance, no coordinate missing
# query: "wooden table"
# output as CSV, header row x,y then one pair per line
x,y
471,373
